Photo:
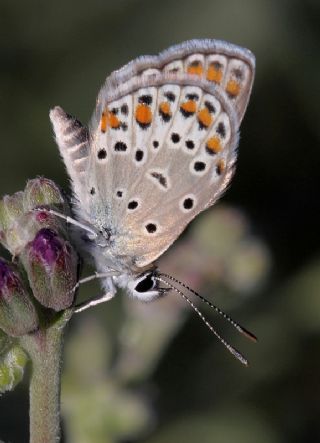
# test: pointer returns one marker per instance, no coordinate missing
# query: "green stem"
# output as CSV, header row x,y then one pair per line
x,y
45,350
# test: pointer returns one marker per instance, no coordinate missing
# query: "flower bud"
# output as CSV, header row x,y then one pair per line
x,y
11,207
19,223
42,192
51,265
17,312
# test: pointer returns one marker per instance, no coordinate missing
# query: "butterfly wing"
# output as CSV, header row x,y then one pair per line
x,y
163,142
161,153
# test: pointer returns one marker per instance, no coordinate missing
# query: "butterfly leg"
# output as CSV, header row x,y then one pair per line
x,y
95,276
94,302
68,220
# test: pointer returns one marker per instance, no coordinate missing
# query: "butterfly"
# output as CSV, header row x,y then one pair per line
x,y
160,148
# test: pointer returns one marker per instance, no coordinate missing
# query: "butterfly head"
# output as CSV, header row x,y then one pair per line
x,y
144,286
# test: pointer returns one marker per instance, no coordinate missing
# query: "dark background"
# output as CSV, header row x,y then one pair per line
x,y
187,388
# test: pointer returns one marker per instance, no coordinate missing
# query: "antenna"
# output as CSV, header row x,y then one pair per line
x,y
235,324
230,348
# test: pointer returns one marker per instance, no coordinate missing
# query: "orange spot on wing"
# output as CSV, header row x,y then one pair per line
x,y
214,144
113,121
221,166
143,114
189,106
214,73
195,69
103,122
233,88
204,117
164,107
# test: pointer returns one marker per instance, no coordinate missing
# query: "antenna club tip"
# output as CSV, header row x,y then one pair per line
x,y
249,335
243,360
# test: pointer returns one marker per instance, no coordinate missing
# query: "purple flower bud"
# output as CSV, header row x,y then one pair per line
x,y
47,245
51,264
17,312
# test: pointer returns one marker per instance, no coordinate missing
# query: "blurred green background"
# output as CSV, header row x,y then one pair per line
x,y
154,373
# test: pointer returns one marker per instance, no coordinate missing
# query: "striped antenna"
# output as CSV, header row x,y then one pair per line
x,y
230,348
236,325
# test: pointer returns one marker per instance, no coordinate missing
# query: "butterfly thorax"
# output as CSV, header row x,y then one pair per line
x,y
103,251
105,247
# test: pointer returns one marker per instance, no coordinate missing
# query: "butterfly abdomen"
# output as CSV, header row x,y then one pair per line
x,y
73,142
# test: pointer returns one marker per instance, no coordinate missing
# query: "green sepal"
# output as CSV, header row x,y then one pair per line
x,y
13,360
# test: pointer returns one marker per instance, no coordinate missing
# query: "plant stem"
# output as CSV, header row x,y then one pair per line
x,y
45,350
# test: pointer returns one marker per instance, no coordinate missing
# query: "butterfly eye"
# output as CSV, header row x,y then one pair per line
x,y
146,284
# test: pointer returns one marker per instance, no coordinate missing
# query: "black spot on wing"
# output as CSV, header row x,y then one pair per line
x,y
120,147
175,137
139,155
192,97
210,107
221,129
170,96
133,204
188,203
189,144
124,109
102,154
199,166
151,228
146,99
161,178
